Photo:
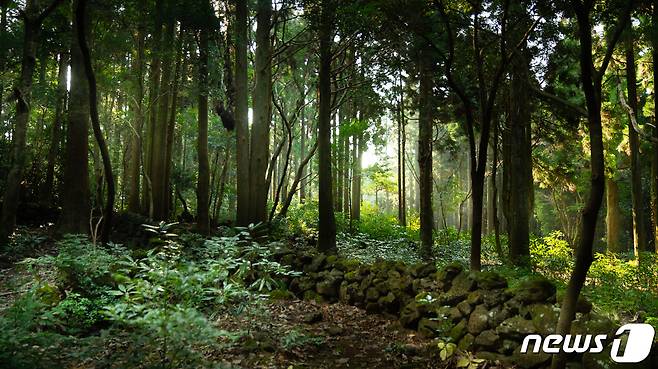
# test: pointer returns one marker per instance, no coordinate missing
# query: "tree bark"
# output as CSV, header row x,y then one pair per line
x,y
518,163
241,114
613,215
203,180
425,129
260,129
46,191
654,161
76,205
81,17
136,134
326,221
639,234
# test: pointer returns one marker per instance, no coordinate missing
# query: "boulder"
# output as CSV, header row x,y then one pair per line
x,y
372,294
423,270
466,342
534,290
448,273
327,288
487,340
529,359
431,327
465,307
411,314
478,321
458,331
515,328
544,317
389,303
316,263
488,280
462,284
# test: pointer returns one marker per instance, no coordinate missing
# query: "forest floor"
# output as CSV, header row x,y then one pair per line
x,y
288,334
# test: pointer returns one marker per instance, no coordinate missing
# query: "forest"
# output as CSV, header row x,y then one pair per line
x,y
328,183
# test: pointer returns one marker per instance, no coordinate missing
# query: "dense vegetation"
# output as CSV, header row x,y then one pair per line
x,y
177,175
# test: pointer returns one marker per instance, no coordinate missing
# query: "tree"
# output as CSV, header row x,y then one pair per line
x,y
203,181
76,206
108,211
260,129
326,221
425,134
591,78
241,111
33,18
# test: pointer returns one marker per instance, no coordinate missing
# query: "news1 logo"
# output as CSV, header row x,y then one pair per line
x,y
638,344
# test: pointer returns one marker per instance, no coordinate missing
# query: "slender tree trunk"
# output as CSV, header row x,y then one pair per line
x,y
76,205
241,111
81,17
46,192
355,211
591,79
159,138
326,222
302,152
613,215
260,129
654,161
3,58
402,206
171,126
425,153
136,134
203,180
639,234
346,176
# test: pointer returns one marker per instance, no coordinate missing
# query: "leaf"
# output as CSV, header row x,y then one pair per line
x,y
443,355
463,362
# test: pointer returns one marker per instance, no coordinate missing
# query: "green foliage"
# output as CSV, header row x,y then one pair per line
x,y
297,339
82,266
24,242
76,314
552,256
23,341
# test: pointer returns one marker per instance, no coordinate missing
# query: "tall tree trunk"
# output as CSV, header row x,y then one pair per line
x,y
158,156
260,129
425,128
3,57
326,221
33,20
355,211
591,79
402,206
154,98
613,215
518,168
654,161
639,234
136,134
203,181
76,205
171,126
241,114
346,176
81,17
302,152
46,191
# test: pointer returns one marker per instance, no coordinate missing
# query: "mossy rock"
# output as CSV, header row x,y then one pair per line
x,y
373,308
488,280
583,305
478,321
411,314
423,270
487,340
465,308
534,290
311,295
280,294
462,284
433,327
544,317
449,272
389,303
347,264
458,331
529,359
353,276
516,328
466,342
327,288
316,263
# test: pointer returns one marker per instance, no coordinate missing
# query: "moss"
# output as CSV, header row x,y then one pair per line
x,y
280,294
